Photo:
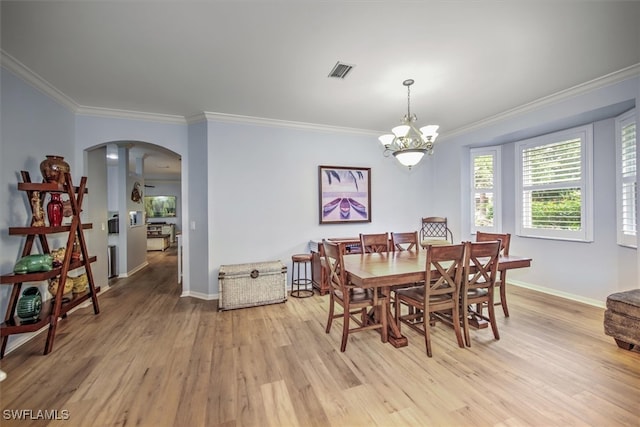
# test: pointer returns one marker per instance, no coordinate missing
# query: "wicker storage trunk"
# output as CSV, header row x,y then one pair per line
x,y
252,284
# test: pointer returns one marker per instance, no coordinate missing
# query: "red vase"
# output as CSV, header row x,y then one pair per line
x,y
54,210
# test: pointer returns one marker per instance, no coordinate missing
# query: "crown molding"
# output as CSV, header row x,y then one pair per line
x,y
130,115
18,68
597,83
15,66
10,63
196,118
234,118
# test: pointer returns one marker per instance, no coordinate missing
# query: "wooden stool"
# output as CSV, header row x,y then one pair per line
x,y
302,285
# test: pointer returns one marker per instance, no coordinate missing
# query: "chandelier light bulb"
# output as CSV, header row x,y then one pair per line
x,y
386,139
430,130
410,157
401,131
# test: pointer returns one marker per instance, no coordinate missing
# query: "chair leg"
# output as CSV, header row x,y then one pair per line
x,y
345,330
465,325
427,331
364,317
492,316
330,320
503,293
455,318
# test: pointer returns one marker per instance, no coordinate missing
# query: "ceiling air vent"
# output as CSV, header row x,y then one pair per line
x,y
340,70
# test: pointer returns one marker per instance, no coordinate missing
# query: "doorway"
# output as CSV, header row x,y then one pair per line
x,y
129,167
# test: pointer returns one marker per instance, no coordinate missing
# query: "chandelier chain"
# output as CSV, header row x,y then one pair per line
x,y
409,102
408,84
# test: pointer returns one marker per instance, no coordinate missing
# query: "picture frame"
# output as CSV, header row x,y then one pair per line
x,y
160,206
344,194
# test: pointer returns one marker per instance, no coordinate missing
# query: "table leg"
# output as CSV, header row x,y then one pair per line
x,y
477,322
392,333
395,337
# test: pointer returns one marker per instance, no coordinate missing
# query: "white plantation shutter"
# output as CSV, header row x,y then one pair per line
x,y
485,189
554,186
551,173
626,178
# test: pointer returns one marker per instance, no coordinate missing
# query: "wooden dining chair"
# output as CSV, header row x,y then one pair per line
x,y
374,243
355,301
405,241
441,292
481,266
435,231
501,280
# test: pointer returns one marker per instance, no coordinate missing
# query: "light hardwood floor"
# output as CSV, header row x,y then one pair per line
x,y
152,358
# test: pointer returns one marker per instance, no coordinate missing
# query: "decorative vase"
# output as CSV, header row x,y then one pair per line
x,y
29,305
54,210
53,169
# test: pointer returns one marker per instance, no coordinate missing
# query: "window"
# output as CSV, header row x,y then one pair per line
x,y
554,185
485,190
626,184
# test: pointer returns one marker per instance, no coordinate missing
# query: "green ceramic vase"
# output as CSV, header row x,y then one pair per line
x,y
29,305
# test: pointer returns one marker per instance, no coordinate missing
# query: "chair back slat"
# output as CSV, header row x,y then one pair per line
x,y
333,254
481,264
505,240
443,273
405,241
374,243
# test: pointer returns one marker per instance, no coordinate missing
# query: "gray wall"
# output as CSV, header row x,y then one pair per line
x,y
583,271
251,189
33,125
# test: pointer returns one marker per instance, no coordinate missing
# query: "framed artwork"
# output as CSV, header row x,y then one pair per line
x,y
160,206
345,194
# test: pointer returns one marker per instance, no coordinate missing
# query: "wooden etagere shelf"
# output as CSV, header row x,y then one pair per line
x,y
56,308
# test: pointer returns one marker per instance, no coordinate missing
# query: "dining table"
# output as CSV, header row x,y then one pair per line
x,y
392,269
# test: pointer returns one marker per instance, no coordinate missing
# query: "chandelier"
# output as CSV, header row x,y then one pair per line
x,y
407,143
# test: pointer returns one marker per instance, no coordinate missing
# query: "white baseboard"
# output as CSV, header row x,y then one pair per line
x,y
134,271
555,292
199,295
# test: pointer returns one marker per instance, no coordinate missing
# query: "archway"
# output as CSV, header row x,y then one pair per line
x,y
113,167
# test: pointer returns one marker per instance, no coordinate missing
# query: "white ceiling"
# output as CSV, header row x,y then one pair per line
x,y
270,59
